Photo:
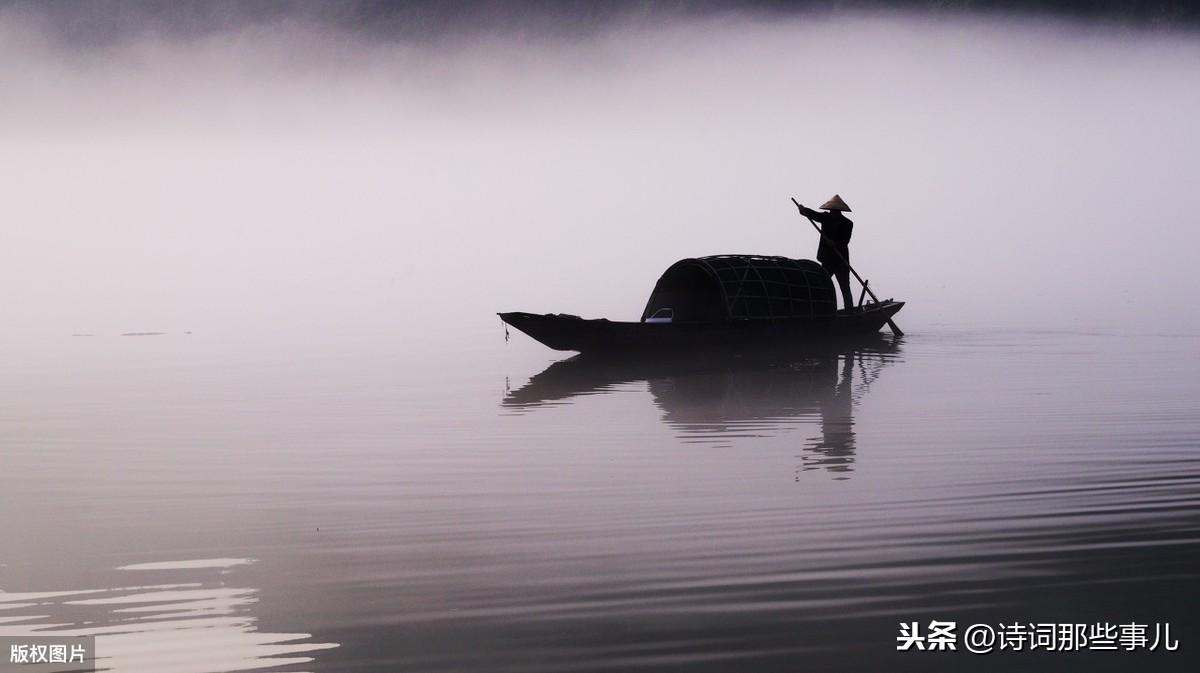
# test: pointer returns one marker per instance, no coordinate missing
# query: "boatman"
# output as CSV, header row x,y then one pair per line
x,y
834,251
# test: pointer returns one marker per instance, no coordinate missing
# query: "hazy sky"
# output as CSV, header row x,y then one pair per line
x,y
282,177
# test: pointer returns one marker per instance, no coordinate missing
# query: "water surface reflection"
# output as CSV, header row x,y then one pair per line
x,y
200,620
720,399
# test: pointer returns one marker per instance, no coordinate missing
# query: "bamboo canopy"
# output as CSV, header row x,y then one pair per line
x,y
741,287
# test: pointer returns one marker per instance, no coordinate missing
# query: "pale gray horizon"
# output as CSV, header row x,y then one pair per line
x,y
286,183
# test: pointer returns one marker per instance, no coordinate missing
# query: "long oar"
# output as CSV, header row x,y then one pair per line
x,y
891,323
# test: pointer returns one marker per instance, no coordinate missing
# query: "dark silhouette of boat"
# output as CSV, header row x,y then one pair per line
x,y
723,301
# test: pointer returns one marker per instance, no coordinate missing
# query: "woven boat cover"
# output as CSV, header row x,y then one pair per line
x,y
743,287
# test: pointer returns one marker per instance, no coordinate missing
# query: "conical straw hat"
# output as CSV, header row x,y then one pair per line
x,y
836,203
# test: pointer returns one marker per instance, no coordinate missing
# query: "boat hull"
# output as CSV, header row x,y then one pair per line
x,y
571,333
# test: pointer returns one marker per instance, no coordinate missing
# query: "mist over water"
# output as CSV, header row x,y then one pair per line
x,y
316,449
292,177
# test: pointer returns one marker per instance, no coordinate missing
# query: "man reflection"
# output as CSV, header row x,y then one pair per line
x,y
736,401
834,449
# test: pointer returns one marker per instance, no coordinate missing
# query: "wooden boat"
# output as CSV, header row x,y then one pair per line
x,y
724,301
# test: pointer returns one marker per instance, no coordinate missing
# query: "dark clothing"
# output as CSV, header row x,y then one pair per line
x,y
836,229
834,251
843,280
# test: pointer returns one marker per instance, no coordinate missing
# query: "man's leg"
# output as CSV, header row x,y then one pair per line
x,y
843,279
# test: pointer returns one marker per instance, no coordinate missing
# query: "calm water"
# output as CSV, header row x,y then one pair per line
x,y
486,508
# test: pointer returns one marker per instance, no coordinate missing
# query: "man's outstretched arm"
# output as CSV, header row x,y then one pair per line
x,y
814,214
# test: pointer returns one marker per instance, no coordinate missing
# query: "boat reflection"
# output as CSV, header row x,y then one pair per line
x,y
723,400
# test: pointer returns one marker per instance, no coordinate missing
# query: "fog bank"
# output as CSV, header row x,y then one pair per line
x,y
284,179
